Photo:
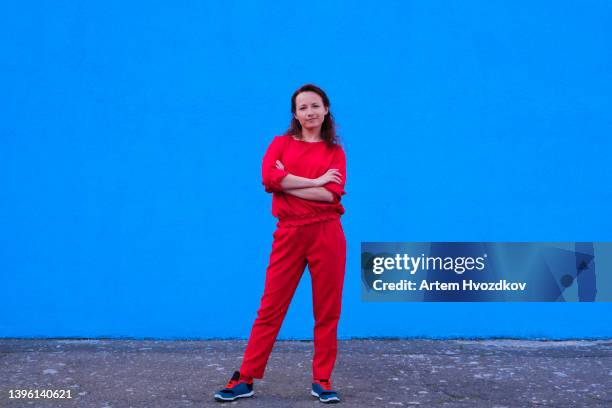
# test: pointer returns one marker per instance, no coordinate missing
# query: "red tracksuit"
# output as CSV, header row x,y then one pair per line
x,y
308,233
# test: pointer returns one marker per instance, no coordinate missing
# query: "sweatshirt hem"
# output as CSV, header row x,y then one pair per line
x,y
307,219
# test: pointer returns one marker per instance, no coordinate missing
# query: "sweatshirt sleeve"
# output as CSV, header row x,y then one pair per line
x,y
339,162
272,176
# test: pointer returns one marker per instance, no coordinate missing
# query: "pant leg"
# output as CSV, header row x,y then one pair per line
x,y
326,258
287,264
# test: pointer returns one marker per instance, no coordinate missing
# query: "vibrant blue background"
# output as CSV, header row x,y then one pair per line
x,y
131,140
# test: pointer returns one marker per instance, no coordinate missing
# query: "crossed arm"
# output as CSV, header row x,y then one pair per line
x,y
309,189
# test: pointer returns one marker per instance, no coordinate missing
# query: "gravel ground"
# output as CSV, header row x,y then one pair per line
x,y
368,373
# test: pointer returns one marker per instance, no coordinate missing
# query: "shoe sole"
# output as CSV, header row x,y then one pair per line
x,y
223,399
329,400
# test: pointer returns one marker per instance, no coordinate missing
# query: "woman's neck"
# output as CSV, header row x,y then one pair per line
x,y
311,135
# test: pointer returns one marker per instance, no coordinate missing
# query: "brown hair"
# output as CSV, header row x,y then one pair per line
x,y
328,128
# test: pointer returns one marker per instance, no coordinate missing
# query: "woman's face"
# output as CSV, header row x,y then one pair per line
x,y
309,110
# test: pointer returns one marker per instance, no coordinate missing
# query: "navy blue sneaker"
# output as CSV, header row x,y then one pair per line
x,y
235,389
323,390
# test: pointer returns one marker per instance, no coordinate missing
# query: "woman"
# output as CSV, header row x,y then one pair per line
x,y
305,169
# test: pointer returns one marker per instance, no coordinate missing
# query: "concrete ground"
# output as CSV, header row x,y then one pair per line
x,y
368,373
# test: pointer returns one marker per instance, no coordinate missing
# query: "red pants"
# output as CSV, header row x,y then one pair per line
x,y
323,247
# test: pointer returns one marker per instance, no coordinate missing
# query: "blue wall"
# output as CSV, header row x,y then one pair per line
x,y
131,138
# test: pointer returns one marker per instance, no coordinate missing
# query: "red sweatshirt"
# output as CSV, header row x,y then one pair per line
x,y
304,159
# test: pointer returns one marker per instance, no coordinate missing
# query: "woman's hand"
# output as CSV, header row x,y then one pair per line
x,y
279,165
331,175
